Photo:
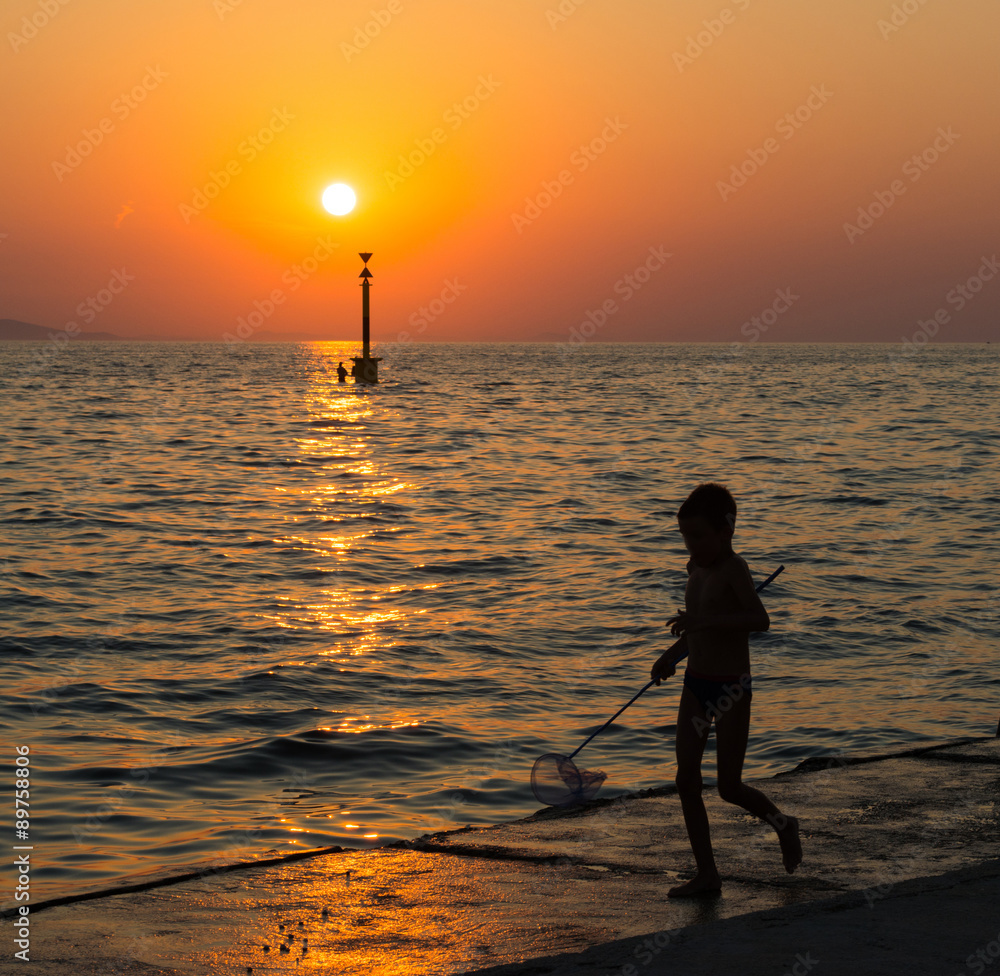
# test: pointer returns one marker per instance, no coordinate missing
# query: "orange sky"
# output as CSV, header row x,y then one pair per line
x,y
570,143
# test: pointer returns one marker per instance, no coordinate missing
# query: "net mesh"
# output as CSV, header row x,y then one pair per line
x,y
557,782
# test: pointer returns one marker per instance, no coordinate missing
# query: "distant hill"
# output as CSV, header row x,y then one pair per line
x,y
12,329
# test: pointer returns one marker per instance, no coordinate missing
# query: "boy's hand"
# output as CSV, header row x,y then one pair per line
x,y
664,667
683,621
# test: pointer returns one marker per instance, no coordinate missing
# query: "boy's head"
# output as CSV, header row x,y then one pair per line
x,y
707,520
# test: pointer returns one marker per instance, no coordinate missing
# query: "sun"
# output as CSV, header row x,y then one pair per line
x,y
339,199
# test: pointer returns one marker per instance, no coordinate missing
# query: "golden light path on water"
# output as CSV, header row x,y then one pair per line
x,y
354,479
339,415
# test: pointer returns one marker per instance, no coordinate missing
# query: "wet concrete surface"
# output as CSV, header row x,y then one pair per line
x,y
946,925
888,842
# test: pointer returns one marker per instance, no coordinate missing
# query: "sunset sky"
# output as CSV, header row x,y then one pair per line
x,y
518,165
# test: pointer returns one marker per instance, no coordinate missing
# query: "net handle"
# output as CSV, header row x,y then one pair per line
x,y
653,680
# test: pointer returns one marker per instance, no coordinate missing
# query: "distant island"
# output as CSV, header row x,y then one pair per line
x,y
12,329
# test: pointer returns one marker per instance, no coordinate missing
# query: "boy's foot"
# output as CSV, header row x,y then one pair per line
x,y
700,886
791,846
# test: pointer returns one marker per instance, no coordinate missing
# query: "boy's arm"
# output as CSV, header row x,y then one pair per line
x,y
666,663
749,613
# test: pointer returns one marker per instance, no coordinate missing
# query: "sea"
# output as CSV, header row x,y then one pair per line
x,y
248,610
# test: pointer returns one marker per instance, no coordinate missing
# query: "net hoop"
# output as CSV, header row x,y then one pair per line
x,y
556,781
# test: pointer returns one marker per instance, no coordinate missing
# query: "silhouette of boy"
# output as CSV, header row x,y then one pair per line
x,y
721,607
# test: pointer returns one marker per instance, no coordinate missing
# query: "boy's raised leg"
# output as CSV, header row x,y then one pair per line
x,y
731,732
692,734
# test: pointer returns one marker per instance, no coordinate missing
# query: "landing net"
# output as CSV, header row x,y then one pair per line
x,y
557,782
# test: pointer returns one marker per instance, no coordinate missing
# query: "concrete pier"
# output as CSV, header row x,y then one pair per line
x,y
900,873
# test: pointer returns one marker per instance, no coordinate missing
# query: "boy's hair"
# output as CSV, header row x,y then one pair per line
x,y
713,503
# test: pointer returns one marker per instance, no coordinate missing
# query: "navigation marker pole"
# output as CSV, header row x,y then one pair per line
x,y
365,367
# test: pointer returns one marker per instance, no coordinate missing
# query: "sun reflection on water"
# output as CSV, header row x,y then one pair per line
x,y
331,517
335,512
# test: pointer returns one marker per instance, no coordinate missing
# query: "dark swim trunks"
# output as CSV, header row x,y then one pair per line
x,y
717,692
